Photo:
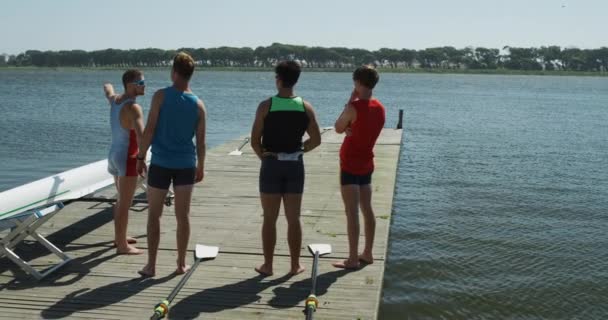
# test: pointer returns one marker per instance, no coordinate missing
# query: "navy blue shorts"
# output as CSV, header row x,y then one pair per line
x,y
361,180
281,177
161,177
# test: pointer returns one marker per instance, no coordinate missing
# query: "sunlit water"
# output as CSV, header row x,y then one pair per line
x,y
501,207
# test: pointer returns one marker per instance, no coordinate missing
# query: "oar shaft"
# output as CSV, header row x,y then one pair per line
x,y
182,282
315,265
243,144
311,302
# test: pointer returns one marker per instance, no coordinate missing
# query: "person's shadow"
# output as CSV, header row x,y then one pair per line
x,y
216,299
69,274
86,299
28,250
298,291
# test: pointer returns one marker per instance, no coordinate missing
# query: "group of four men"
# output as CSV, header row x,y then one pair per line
x,y
177,115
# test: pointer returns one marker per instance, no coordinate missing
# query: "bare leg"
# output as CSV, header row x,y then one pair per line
x,y
370,224
130,240
126,190
156,199
293,203
350,196
271,203
183,197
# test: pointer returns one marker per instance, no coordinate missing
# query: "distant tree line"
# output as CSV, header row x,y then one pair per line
x,y
512,58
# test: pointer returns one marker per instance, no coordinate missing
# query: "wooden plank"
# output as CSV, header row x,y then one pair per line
x,y
225,212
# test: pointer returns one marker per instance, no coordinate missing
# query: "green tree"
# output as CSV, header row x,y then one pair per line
x,y
573,59
523,59
390,56
407,56
551,57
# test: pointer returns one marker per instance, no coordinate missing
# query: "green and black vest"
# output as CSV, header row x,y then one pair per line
x,y
285,125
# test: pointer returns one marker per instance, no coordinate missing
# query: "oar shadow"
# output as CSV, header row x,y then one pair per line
x,y
87,299
217,299
289,297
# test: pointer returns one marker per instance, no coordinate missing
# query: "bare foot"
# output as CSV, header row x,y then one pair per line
x,y
366,258
147,271
346,264
182,269
296,271
130,240
130,250
264,270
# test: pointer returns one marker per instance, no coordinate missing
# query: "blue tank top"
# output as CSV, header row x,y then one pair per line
x,y
172,145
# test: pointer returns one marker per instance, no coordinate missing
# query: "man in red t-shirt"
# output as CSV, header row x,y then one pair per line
x,y
362,121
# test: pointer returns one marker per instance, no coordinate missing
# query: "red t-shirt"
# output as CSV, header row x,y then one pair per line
x,y
356,153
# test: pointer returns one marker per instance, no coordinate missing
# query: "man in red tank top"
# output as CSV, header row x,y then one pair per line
x,y
362,120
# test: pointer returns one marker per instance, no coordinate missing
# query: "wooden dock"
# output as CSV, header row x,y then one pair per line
x,y
226,212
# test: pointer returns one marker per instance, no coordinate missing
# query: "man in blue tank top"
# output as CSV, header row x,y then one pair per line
x,y
276,138
176,116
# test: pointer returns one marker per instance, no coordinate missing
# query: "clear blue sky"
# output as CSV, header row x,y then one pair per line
x,y
92,25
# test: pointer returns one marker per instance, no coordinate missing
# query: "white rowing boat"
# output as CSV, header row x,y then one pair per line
x,y
69,185
25,208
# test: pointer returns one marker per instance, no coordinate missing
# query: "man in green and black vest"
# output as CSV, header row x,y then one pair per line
x,y
276,137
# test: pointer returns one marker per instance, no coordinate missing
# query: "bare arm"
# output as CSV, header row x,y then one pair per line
x,y
258,127
200,140
108,90
148,135
348,116
314,133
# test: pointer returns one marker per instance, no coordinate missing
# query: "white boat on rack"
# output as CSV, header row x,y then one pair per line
x,y
69,185
25,208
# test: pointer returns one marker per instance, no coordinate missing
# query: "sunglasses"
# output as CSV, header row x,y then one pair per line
x,y
139,83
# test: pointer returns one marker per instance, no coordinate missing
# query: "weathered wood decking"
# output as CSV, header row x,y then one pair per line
x,y
226,212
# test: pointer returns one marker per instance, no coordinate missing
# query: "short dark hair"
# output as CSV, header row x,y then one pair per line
x,y
288,72
367,76
183,65
130,76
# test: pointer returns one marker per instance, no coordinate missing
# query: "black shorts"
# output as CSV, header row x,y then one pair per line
x,y
282,177
161,177
361,180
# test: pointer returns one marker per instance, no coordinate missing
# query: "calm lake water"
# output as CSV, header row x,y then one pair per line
x,y
501,207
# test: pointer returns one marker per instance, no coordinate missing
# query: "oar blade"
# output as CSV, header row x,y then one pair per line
x,y
206,252
321,248
236,152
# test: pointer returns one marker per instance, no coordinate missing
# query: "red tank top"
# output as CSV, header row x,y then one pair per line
x,y
356,153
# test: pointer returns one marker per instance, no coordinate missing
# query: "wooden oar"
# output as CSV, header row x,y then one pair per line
x,y
237,151
312,303
202,252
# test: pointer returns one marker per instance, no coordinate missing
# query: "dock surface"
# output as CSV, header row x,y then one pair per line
x,y
226,212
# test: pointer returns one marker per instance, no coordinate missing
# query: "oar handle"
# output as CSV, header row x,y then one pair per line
x,y
312,302
311,306
161,310
309,314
